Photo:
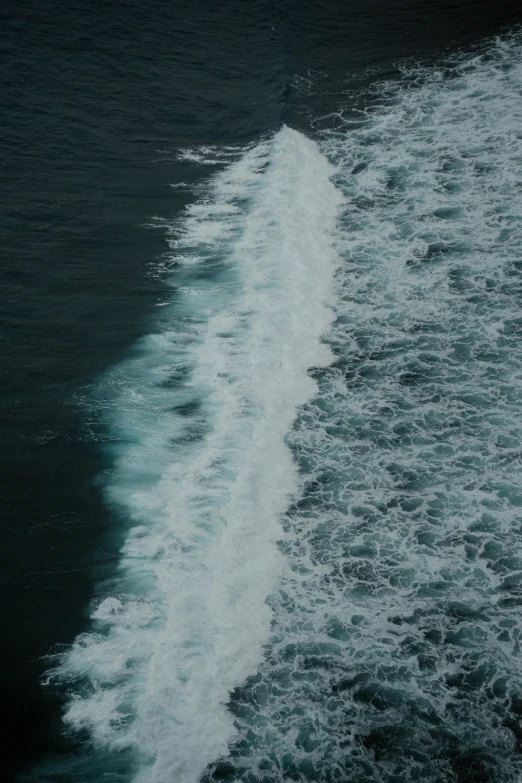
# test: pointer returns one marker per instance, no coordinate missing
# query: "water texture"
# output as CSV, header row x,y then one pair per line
x,y
308,459
395,649
388,648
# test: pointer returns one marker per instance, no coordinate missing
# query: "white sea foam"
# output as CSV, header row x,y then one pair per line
x,y
395,650
201,466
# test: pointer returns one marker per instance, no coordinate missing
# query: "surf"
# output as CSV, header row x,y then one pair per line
x,y
201,472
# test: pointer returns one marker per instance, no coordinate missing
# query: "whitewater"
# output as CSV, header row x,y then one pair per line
x,y
315,457
201,466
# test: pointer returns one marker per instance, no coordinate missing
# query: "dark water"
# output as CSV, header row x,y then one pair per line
x,y
98,100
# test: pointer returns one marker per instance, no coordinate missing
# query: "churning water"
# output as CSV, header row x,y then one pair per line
x,y
317,458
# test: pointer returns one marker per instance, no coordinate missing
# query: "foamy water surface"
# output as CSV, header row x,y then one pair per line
x,y
321,577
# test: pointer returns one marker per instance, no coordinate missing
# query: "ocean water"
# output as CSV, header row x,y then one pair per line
x,y
262,394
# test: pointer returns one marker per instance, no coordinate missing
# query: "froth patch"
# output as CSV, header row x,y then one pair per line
x,y
395,652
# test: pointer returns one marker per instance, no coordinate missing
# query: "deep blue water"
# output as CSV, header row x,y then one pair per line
x,y
396,240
